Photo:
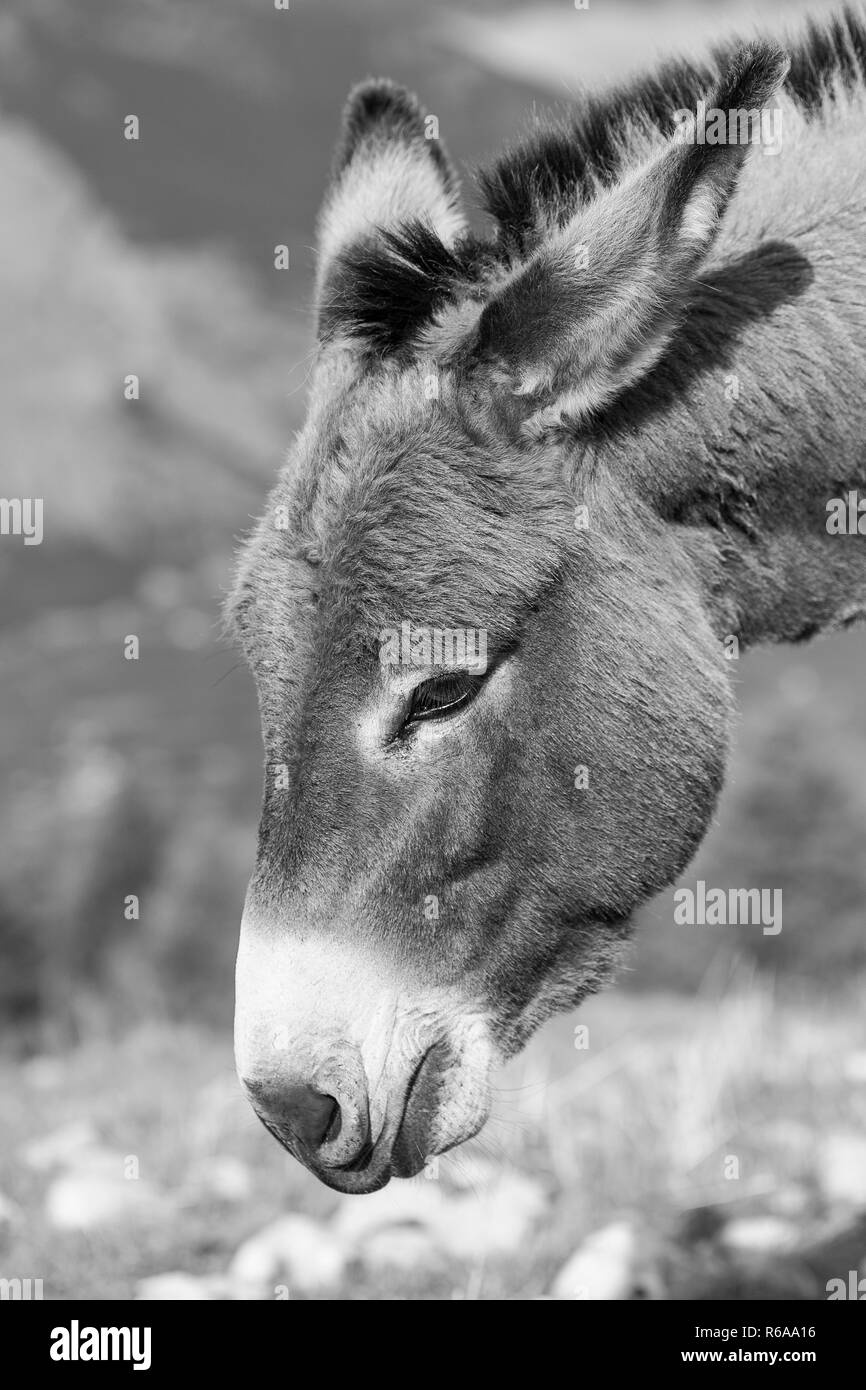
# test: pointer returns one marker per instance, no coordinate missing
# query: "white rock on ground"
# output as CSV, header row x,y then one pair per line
x,y
410,1225
94,1192
841,1168
418,1202
758,1235
608,1266
854,1067
176,1286
304,1254
494,1220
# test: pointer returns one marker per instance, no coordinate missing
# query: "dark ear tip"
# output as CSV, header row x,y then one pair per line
x,y
378,105
378,98
754,74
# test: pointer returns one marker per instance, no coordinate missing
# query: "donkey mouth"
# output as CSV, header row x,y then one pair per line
x,y
430,1118
403,1158
435,1115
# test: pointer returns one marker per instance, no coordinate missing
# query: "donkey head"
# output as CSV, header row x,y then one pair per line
x,y
495,712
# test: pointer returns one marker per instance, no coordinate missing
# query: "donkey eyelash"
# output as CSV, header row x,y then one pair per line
x,y
441,696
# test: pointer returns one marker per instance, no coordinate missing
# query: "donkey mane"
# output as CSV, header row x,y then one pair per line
x,y
384,291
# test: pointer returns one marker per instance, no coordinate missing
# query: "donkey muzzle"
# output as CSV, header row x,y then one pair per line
x,y
359,1077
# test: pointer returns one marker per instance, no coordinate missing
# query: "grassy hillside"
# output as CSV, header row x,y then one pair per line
x,y
713,1143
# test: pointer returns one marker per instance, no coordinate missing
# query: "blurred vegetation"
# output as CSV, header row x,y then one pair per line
x,y
638,1131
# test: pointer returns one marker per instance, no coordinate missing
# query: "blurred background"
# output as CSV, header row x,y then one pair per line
x,y
707,1136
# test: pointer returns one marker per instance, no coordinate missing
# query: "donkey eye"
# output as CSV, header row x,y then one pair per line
x,y
441,696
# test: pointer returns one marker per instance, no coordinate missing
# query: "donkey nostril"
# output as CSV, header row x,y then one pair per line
x,y
320,1114
335,1123
310,1115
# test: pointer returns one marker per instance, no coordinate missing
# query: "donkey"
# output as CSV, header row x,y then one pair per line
x,y
605,437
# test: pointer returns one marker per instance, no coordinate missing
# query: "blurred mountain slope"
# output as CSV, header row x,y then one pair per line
x,y
83,307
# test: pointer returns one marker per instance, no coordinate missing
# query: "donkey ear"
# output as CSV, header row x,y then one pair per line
x,y
597,303
390,170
